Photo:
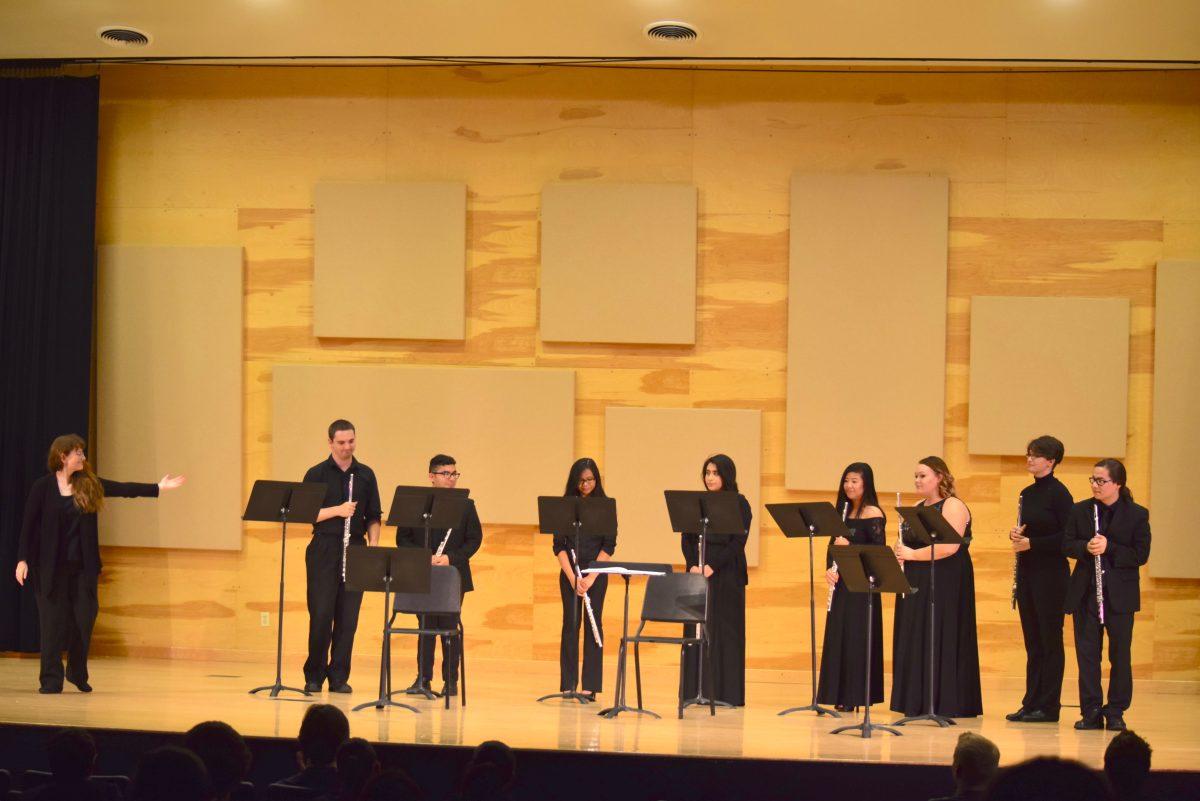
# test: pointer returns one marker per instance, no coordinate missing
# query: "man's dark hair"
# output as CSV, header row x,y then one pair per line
x,y
223,752
392,785
322,732
356,764
1049,779
441,460
72,754
340,425
170,773
1046,447
976,759
1127,764
497,754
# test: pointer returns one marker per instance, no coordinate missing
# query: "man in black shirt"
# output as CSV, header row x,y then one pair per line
x,y
1041,580
350,509
460,544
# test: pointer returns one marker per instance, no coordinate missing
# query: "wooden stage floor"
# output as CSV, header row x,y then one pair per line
x,y
162,695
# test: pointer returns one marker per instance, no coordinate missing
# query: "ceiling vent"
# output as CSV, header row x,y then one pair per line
x,y
672,32
124,37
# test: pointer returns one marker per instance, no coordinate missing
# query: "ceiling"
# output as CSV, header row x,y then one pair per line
x,y
1097,32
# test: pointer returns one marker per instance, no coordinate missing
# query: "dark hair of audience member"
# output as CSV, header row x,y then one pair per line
x,y
322,732
72,755
976,759
170,773
392,785
483,782
357,763
1127,764
223,752
498,755
1048,779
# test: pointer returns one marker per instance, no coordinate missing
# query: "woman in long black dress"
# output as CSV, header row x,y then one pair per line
x,y
582,482
59,551
956,642
725,568
843,654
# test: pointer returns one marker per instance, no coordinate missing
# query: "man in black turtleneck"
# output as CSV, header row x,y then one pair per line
x,y
1041,580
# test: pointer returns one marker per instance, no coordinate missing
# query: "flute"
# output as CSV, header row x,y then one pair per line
x,y
1096,564
1016,557
587,603
833,587
346,527
900,537
442,546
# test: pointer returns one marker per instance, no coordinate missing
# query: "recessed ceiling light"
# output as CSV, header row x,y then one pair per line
x,y
672,31
122,36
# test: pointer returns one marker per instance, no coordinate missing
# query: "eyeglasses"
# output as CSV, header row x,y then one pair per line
x,y
1100,482
448,474
587,481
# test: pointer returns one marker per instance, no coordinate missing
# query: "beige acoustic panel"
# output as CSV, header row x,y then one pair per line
x,y
390,260
1176,438
511,430
169,393
1049,366
651,450
866,326
619,263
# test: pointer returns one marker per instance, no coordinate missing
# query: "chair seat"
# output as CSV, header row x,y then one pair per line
x,y
662,639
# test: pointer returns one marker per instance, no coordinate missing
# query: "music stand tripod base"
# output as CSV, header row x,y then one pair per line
x,y
276,689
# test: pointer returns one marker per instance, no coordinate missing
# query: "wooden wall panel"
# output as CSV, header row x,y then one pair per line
x,y
1058,365
169,392
1176,425
185,151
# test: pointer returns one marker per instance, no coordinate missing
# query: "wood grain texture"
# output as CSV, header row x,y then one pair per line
x,y
1062,185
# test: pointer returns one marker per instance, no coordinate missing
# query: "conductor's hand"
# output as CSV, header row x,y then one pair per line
x,y
840,541
346,509
831,577
439,560
1097,545
22,572
169,482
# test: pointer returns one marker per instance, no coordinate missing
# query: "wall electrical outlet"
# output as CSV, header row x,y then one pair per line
x,y
264,619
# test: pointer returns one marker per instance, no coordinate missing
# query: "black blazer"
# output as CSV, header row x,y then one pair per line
x,y
1128,549
465,540
39,544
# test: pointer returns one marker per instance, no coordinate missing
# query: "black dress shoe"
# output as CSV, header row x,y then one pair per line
x,y
341,688
312,686
450,689
590,695
1016,717
1090,722
1115,722
49,690
419,687
82,686
1038,716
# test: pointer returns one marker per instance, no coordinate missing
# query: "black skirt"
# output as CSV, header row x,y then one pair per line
x,y
844,651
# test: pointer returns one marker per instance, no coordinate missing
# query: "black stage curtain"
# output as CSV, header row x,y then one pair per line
x,y
48,143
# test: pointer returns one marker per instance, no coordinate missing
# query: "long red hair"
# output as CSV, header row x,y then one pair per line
x,y
85,487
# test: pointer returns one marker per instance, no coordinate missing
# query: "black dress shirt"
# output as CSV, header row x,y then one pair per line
x,y
337,482
465,539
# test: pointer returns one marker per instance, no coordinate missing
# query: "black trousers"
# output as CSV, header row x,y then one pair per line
x,y
332,613
1089,639
568,648
1040,596
67,615
427,645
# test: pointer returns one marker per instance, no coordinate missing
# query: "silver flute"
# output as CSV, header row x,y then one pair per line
x,y
1016,556
587,603
1096,564
833,587
346,526
900,535
442,546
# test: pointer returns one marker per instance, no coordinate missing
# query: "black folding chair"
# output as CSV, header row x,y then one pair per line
x,y
444,598
673,598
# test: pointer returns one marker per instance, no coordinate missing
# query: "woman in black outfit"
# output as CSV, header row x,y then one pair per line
x,y
725,568
843,654
582,482
1040,580
59,551
956,642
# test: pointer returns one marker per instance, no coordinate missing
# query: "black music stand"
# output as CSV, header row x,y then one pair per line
x,y
872,569
426,508
574,516
625,570
929,527
700,513
386,570
283,502
808,520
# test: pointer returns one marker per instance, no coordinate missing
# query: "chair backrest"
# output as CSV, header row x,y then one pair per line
x,y
674,598
444,596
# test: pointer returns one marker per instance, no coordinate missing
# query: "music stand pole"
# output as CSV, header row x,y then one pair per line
x,y
573,694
